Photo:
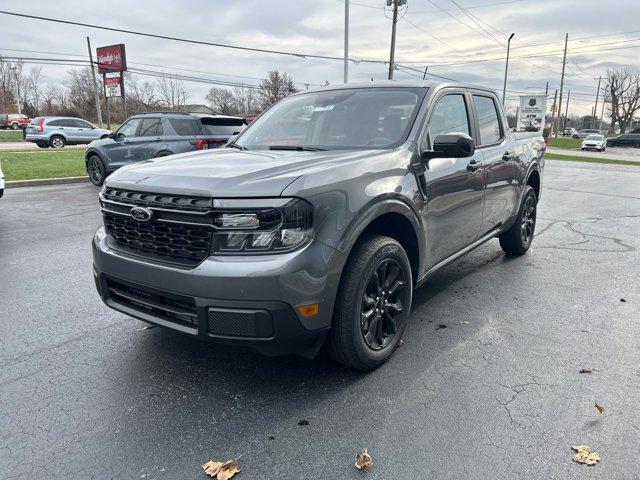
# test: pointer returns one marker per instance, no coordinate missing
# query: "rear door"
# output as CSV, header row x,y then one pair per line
x,y
454,186
71,131
499,160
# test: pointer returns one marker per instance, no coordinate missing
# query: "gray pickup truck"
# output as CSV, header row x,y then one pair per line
x,y
316,223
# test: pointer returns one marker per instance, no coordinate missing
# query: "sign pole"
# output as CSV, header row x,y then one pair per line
x,y
124,101
106,100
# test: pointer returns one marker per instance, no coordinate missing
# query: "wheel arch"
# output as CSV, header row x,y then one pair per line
x,y
391,217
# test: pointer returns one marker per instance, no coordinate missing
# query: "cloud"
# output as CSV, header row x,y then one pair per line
x,y
316,26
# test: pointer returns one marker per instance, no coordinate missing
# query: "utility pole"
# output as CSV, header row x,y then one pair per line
x,y
346,41
602,114
595,108
392,53
15,74
564,64
546,90
554,107
506,68
566,112
95,84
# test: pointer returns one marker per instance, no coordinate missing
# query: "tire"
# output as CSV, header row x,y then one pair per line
x,y
42,144
57,141
518,239
164,153
96,171
15,126
367,329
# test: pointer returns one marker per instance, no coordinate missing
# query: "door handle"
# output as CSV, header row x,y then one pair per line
x,y
508,156
472,166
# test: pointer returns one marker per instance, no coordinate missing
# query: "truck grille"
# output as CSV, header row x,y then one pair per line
x,y
180,230
181,310
146,199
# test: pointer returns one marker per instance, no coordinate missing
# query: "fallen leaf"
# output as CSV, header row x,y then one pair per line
x,y
212,468
221,470
584,454
401,342
363,459
442,325
586,370
303,423
599,407
228,470
622,300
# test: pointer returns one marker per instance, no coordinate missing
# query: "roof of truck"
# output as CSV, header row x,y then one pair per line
x,y
403,84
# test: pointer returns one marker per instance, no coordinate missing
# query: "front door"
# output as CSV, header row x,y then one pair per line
x,y
454,186
120,151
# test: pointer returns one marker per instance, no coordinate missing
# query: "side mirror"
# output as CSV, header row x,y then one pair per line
x,y
113,135
451,145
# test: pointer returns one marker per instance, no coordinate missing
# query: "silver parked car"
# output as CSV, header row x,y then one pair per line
x,y
56,132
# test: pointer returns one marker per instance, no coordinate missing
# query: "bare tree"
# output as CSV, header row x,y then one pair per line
x,y
275,86
246,99
222,100
622,92
33,82
7,94
171,91
81,96
141,96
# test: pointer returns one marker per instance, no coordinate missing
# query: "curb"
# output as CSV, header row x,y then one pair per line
x,y
45,181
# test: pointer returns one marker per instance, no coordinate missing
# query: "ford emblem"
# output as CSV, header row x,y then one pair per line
x,y
141,214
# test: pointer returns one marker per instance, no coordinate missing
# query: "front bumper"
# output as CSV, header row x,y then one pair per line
x,y
248,301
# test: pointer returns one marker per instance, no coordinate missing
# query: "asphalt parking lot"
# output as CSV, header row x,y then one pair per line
x,y
89,393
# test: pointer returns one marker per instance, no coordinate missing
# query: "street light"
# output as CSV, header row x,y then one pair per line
x,y
506,68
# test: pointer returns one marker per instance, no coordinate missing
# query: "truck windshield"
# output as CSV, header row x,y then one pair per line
x,y
336,119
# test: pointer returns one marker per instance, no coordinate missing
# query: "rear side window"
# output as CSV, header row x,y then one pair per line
x,y
222,126
449,116
150,127
54,123
185,126
488,120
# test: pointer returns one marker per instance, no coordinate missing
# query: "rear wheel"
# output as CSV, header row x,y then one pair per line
x,y
15,126
42,144
57,141
96,170
517,240
373,304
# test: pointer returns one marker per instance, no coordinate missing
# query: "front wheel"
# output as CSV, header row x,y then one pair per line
x,y
517,240
373,304
57,141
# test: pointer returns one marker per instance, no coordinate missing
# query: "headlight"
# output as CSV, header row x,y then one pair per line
x,y
270,225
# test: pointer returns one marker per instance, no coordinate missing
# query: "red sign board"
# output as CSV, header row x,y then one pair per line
x,y
112,87
111,58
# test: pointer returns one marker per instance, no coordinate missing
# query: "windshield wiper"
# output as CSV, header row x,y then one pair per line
x,y
235,145
299,148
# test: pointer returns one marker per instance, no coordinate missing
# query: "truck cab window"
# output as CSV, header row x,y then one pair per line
x,y
449,115
488,120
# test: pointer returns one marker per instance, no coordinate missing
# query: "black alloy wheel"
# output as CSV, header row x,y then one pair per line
x,y
96,171
528,220
382,304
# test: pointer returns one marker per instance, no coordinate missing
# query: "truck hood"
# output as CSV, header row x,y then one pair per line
x,y
229,173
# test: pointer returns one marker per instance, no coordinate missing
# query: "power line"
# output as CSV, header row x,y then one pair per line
x,y
186,40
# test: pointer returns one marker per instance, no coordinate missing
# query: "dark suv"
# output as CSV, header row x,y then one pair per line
x,y
158,134
624,140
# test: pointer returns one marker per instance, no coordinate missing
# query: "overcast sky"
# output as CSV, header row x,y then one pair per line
x,y
426,36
